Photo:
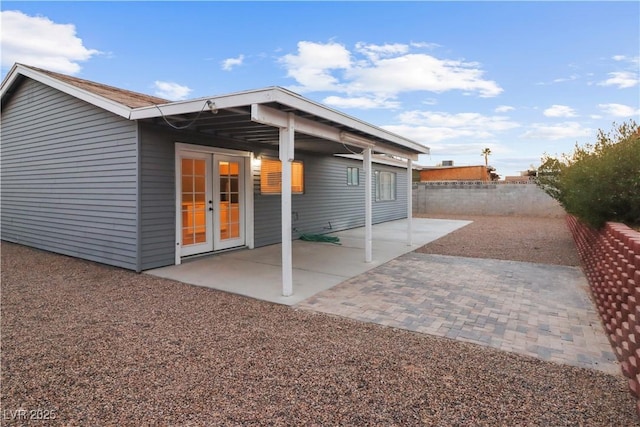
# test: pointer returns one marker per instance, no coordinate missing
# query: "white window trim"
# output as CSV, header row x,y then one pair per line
x,y
350,182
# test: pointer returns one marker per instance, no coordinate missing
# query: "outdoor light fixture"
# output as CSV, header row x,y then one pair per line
x,y
212,106
358,141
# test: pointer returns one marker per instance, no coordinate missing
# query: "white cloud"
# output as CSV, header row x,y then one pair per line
x,y
40,42
425,45
460,120
429,127
170,90
559,111
381,71
571,78
311,67
558,131
359,102
375,52
414,72
229,63
618,110
622,79
633,60
504,109
566,79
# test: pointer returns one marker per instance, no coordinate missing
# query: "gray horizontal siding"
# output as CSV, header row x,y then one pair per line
x,y
327,197
328,203
158,198
69,176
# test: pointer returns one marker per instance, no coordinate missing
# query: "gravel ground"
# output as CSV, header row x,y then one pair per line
x,y
96,345
541,240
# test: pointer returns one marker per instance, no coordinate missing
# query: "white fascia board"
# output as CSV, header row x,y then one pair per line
x,y
377,159
293,100
277,118
97,100
234,100
395,152
8,81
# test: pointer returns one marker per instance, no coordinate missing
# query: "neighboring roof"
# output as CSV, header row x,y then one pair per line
x,y
257,113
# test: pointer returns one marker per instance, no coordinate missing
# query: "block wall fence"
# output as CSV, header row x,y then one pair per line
x,y
611,260
483,198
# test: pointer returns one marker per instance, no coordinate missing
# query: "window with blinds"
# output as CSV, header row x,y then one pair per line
x,y
353,176
271,177
385,185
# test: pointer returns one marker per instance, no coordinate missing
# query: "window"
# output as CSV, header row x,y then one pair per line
x,y
353,176
271,177
385,185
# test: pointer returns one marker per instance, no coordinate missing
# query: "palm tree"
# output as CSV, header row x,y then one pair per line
x,y
486,153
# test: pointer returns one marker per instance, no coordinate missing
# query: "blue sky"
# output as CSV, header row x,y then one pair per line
x,y
521,78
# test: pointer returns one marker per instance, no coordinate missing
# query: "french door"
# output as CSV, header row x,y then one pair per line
x,y
211,202
229,206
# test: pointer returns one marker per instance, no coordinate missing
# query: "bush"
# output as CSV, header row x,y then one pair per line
x,y
601,182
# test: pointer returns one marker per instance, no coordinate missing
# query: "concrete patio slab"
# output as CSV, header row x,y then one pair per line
x,y
317,266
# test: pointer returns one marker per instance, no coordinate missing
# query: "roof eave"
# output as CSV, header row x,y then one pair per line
x,y
99,101
281,96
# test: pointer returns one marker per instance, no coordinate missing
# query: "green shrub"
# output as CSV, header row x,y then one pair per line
x,y
601,182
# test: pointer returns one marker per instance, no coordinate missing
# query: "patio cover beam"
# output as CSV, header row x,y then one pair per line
x,y
274,117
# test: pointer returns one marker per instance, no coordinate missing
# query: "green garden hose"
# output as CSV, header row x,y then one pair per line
x,y
320,238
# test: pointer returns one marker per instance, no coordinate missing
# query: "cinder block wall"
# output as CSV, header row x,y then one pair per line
x,y
481,198
611,259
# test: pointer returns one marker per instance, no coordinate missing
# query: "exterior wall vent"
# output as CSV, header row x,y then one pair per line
x,y
447,163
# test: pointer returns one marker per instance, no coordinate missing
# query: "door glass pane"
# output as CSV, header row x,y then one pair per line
x,y
194,207
229,206
234,221
187,183
199,184
200,167
187,167
233,185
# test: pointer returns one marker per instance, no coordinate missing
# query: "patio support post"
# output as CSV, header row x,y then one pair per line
x,y
368,233
409,202
286,157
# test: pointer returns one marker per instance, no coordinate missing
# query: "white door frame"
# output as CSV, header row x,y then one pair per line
x,y
218,243
207,245
180,149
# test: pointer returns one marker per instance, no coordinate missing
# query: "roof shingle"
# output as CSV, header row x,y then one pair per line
x,y
122,96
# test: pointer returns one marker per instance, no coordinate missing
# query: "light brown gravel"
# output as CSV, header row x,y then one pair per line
x,y
528,239
103,346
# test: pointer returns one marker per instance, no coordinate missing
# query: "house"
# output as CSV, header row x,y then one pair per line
x,y
130,180
449,172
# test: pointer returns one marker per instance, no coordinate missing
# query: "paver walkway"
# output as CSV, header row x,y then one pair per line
x,y
538,310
